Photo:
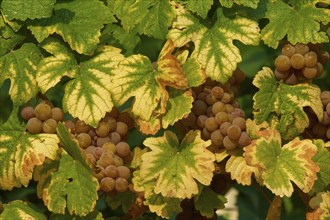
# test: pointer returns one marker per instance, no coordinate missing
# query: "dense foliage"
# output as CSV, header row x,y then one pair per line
x,y
154,109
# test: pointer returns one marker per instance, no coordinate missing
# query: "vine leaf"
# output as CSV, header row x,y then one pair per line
x,y
214,48
200,7
137,157
278,165
73,187
95,215
27,9
195,75
321,205
9,39
248,3
207,201
151,18
78,22
293,21
282,105
322,160
20,152
20,67
123,200
186,162
20,210
87,96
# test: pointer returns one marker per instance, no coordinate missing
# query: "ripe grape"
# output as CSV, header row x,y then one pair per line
x,y
109,146
297,61
100,141
240,122
108,184
210,99
244,139
202,96
226,98
70,125
57,114
281,74
121,128
90,149
238,112
218,107
106,159
126,118
288,50
201,121
199,107
206,134
221,117
123,149
84,140
327,108
223,128
118,160
211,124
97,152
283,63
81,127
27,113
326,118
301,48
43,111
111,122
49,126
309,72
324,57
229,108
217,92
325,97
310,59
239,76
90,157
114,137
234,132
319,68
291,80
111,171
229,144
102,129
34,125
121,184
124,172
216,137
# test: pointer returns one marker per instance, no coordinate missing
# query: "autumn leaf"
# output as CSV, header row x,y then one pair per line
x,y
20,210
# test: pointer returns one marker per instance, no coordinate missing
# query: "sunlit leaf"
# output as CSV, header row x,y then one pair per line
x,y
200,7
20,210
9,39
248,3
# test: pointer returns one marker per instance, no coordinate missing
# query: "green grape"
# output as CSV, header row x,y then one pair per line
x,y
218,107
216,137
309,72
115,137
121,184
84,140
27,113
301,48
310,59
109,146
288,50
111,171
221,117
123,149
34,125
106,159
81,127
102,129
49,126
70,125
201,121
211,124
297,61
244,139
100,141
234,132
121,128
283,63
229,143
43,111
57,114
217,92
118,160
325,97
124,172
107,184
199,107
240,122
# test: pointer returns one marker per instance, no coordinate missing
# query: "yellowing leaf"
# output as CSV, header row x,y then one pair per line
x,y
248,3
78,22
194,73
282,104
321,204
137,157
9,39
279,165
20,152
20,210
214,48
185,163
293,20
20,67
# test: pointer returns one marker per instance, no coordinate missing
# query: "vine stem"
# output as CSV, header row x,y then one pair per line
x,y
262,192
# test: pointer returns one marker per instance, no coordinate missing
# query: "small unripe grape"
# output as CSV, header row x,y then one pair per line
x,y
109,146
301,48
111,171
124,172
92,133
288,50
123,149
90,149
297,61
57,114
43,111
115,137
111,122
90,157
121,128
206,134
217,92
49,126
234,132
283,63
211,124
106,159
27,113
82,127
324,57
327,108
108,184
291,80
326,118
209,112
281,74
199,107
84,140
121,184
102,129
34,125
229,108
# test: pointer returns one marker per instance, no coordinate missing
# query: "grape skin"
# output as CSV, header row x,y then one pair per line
x,y
102,129
283,63
43,111
229,144
234,132
49,126
34,125
123,172
27,113
81,127
310,59
288,50
297,61
123,149
217,137
109,146
57,114
211,124
111,171
84,140
199,107
309,73
121,128
121,184
108,184
106,159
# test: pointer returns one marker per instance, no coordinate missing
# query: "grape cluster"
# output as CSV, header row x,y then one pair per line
x,y
216,113
106,149
300,63
43,118
321,129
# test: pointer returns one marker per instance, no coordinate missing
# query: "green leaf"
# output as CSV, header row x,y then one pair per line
x,y
9,39
207,201
87,96
293,21
195,75
322,160
123,199
78,22
282,104
20,210
151,18
185,163
137,157
279,165
73,187
14,24
200,7
248,3
179,105
214,48
20,67
96,215
20,152
27,9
